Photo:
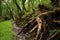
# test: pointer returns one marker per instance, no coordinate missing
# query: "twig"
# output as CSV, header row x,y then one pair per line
x,y
56,21
52,36
40,15
32,30
41,35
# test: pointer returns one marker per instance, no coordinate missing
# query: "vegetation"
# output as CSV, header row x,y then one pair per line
x,y
38,19
6,30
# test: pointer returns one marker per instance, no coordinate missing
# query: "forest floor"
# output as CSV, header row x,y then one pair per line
x,y
6,30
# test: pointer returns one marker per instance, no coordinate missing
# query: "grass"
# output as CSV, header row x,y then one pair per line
x,y
6,30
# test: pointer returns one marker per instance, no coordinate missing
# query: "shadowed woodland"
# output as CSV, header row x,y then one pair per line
x,y
32,19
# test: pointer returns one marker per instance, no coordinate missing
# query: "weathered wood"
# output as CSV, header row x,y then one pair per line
x,y
56,21
39,21
28,26
31,25
33,22
32,30
52,36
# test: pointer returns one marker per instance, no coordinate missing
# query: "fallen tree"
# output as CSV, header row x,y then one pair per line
x,y
41,24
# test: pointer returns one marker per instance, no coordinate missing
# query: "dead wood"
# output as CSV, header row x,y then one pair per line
x,y
41,36
39,21
56,21
29,24
32,29
52,36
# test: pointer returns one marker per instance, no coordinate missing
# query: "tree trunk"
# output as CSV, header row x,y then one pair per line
x,y
23,2
17,5
0,8
55,2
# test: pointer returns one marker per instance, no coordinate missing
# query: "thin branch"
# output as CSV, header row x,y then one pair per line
x,y
56,21
40,15
52,36
32,30
49,12
30,24
41,36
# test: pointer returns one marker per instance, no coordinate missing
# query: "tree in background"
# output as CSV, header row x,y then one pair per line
x,y
23,3
0,7
55,2
18,7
